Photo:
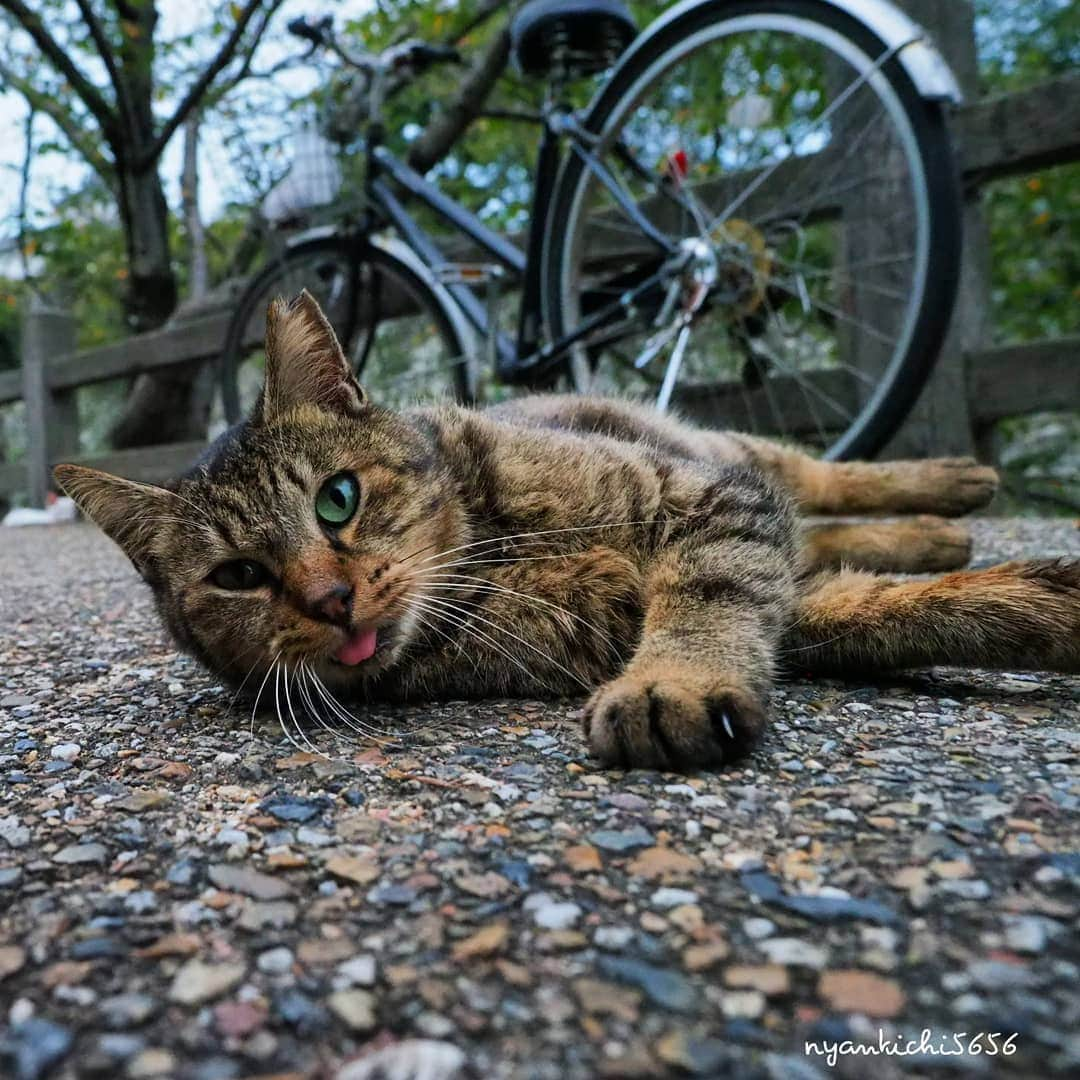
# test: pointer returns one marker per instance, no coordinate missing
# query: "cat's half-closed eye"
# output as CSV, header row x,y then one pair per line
x,y
129,513
305,364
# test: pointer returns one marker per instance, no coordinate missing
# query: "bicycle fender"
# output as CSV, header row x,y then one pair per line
x,y
913,44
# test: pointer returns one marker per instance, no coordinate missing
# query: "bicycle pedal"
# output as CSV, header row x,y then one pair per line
x,y
470,273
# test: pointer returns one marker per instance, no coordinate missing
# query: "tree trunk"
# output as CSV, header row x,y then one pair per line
x,y
198,269
164,406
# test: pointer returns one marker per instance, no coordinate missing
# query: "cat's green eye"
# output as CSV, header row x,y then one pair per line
x,y
338,499
240,574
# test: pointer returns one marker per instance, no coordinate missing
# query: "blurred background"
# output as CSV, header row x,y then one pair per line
x,y
140,145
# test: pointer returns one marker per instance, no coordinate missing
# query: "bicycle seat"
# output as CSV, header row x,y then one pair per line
x,y
570,38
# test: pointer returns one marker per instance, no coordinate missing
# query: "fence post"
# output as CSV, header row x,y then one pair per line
x,y
941,423
52,421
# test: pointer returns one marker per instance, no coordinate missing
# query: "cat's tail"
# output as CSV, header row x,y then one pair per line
x,y
1016,616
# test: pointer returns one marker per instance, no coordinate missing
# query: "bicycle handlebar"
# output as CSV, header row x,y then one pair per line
x,y
414,54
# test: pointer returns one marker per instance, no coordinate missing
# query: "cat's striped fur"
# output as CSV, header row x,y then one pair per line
x,y
560,545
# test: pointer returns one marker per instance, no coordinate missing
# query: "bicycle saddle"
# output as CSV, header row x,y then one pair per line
x,y
570,38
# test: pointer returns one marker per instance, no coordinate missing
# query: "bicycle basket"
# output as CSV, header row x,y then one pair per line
x,y
313,181
346,106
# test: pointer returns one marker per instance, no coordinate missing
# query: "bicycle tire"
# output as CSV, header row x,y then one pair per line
x,y
346,317
906,375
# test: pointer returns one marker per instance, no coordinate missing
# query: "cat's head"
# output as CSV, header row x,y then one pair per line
x,y
303,534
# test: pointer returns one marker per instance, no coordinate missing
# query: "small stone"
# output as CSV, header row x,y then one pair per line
x,y
277,961
688,918
317,952
292,807
601,998
665,864
621,840
67,751
140,801
197,982
556,916
613,938
350,868
258,914
152,1062
974,889
582,859
704,956
396,895
78,854
12,959
743,1004
355,1008
360,970
241,879
427,1058
1029,933
485,942
669,898
665,988
771,979
756,929
842,813
696,1056
34,1046
238,1019
794,952
486,886
997,975
127,1010
305,1016
861,992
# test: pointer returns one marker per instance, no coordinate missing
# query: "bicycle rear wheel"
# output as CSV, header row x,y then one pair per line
x,y
400,334
782,151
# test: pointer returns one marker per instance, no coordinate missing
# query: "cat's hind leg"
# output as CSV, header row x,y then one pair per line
x,y
1016,616
945,486
916,545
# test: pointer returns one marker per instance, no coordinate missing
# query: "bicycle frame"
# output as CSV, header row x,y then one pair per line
x,y
526,360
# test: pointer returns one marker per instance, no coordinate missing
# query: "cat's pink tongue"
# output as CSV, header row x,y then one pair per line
x,y
359,647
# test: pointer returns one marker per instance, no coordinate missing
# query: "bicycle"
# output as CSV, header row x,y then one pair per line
x,y
757,219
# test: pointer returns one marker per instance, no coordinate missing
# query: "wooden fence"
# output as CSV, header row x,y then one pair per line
x,y
974,385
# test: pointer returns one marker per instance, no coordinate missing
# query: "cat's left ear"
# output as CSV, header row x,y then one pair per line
x,y
127,512
305,364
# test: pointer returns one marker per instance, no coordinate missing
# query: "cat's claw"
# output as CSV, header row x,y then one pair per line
x,y
726,721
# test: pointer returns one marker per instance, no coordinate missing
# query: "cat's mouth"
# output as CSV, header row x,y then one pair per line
x,y
361,645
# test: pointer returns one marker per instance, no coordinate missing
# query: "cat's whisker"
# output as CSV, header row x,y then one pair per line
x,y
498,626
461,582
353,722
296,722
262,686
304,686
415,612
551,532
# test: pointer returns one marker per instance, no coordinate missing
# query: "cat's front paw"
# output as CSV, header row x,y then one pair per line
x,y
677,719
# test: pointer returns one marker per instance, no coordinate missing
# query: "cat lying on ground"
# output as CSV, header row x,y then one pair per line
x,y
555,545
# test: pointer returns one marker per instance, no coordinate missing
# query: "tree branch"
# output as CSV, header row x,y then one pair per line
x,y
446,128
483,13
106,52
195,94
80,139
87,92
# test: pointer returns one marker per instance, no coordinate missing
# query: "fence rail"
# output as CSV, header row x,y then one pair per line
x,y
1006,136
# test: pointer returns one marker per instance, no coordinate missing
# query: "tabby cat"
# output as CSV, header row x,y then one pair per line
x,y
555,545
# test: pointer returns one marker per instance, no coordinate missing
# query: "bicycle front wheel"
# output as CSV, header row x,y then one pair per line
x,y
807,198
400,334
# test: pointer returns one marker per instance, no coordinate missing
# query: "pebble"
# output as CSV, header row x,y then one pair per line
x,y
669,898
621,840
276,961
359,971
127,1010
756,929
794,952
429,1059
665,988
241,879
197,981
355,1008
65,751
78,854
305,1016
34,1046
292,807
613,938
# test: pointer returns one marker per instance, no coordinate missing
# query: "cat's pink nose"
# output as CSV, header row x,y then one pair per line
x,y
335,606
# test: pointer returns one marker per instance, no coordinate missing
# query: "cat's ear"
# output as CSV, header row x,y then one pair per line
x,y
305,364
127,512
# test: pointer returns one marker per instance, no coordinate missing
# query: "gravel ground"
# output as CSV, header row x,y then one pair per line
x,y
183,893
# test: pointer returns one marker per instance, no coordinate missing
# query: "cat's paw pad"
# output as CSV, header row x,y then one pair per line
x,y
670,723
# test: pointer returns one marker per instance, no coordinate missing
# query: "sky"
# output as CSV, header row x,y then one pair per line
x,y
54,172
